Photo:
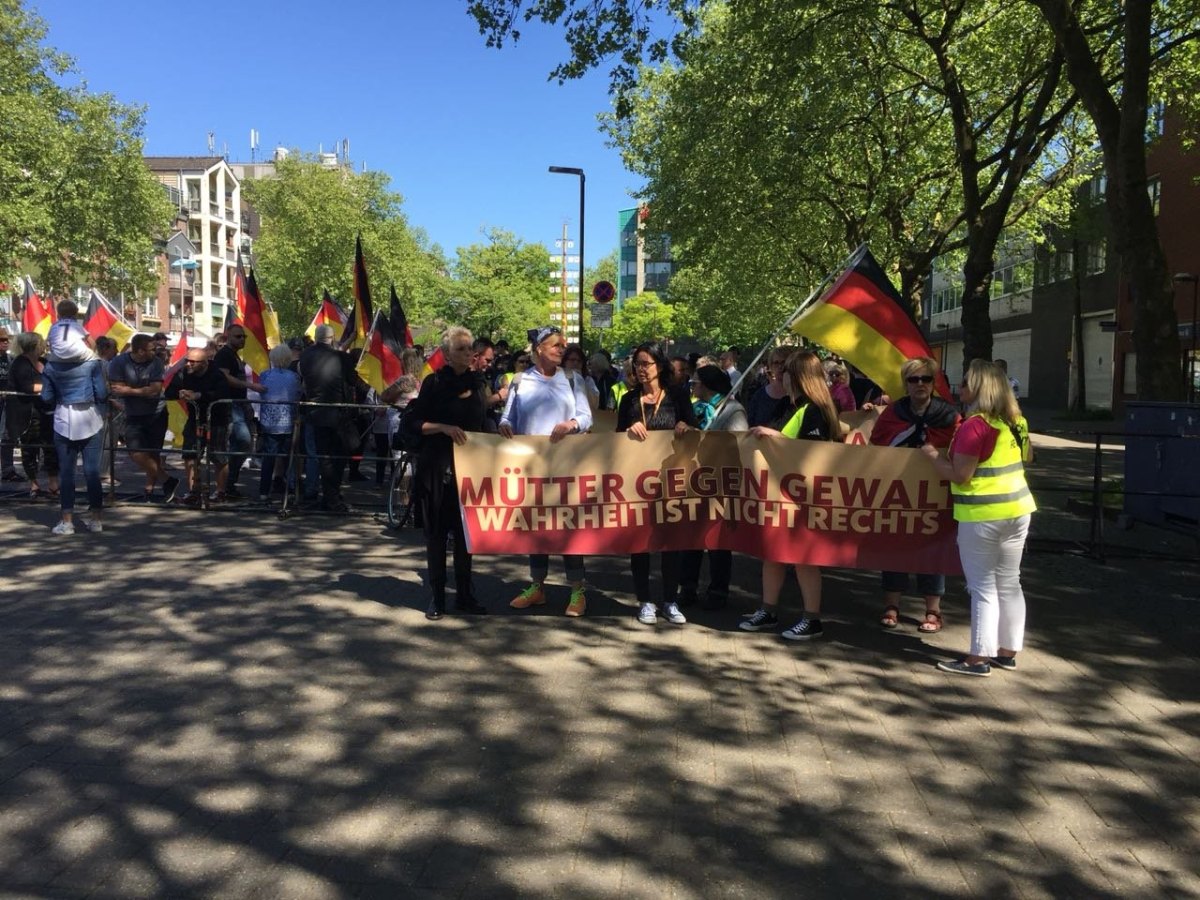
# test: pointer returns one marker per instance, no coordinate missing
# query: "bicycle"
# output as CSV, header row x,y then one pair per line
x,y
401,489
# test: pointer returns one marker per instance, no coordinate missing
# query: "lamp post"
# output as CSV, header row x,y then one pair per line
x,y
1182,278
569,170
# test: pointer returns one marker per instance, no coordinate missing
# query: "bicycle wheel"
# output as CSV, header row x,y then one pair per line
x,y
400,492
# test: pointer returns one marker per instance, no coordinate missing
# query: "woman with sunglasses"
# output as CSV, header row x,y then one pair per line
x,y
916,419
769,401
655,405
993,506
810,415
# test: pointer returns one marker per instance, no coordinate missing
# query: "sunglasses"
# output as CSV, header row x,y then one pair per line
x,y
920,379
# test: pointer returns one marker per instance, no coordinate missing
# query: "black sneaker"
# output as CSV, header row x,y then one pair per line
x,y
232,492
962,667
760,620
1004,662
688,596
804,630
169,487
12,475
142,498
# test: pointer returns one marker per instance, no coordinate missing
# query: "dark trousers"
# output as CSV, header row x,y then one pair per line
x,y
383,452
332,455
37,446
639,565
720,570
443,517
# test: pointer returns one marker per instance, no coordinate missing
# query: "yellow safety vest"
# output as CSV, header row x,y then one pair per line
x,y
792,428
998,489
619,390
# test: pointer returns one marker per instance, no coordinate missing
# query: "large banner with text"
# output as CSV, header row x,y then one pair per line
x,y
786,500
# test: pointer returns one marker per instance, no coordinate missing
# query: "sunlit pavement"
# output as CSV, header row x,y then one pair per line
x,y
231,705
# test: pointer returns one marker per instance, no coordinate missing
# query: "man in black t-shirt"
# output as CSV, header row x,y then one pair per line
x,y
229,361
136,377
199,384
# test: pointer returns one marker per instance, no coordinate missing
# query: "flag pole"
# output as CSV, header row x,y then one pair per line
x,y
367,341
850,262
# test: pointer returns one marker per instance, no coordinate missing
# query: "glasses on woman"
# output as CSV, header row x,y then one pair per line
x,y
644,364
920,379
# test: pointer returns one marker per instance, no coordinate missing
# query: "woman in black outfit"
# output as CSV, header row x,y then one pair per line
x,y
654,405
451,403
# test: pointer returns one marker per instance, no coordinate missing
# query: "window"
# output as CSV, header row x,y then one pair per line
x,y
1154,189
629,267
1096,256
150,306
1097,187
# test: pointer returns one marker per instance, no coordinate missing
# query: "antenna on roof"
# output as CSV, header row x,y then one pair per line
x,y
253,142
212,143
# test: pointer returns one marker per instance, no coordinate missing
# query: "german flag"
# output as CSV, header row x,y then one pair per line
x,y
435,363
177,411
252,316
399,321
863,319
355,334
329,313
101,320
380,364
37,315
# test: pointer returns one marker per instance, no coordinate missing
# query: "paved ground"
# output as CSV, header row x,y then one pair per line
x,y
228,705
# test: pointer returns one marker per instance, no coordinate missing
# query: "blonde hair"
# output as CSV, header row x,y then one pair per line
x,y
280,356
28,341
455,333
807,377
991,393
918,365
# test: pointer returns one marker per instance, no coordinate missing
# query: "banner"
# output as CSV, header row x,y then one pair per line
x,y
791,501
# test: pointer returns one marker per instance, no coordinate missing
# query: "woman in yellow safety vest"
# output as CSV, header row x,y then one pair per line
x,y
810,415
992,505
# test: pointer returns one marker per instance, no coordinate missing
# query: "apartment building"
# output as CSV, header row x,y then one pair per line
x,y
644,261
200,256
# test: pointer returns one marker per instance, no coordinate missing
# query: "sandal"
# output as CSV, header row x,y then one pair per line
x,y
891,617
932,623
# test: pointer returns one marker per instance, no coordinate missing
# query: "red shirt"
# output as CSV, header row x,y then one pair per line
x,y
975,437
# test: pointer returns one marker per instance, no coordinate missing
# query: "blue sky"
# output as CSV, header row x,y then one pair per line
x,y
466,133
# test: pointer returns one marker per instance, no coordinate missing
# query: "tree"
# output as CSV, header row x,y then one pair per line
x,y
311,214
500,287
76,201
1138,34
643,318
604,269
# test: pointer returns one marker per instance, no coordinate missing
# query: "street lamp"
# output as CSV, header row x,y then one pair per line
x,y
569,170
1184,277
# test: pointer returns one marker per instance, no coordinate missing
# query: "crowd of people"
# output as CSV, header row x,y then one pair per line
x,y
58,392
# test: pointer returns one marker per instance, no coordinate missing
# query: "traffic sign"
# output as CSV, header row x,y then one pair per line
x,y
603,292
602,315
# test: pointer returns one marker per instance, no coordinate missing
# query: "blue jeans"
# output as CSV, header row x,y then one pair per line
x,y
239,438
275,449
68,451
927,585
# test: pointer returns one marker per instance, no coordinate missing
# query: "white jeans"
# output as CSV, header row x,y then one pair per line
x,y
991,560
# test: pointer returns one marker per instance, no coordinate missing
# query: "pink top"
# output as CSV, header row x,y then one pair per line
x,y
975,437
843,397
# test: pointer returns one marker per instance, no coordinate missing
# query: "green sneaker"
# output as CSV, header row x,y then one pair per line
x,y
531,596
577,605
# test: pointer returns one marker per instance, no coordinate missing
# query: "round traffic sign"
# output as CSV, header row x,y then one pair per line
x,y
603,292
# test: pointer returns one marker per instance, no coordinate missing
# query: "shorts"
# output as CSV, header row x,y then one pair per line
x,y
145,434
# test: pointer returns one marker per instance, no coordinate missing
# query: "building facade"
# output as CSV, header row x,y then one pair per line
x,y
200,257
644,261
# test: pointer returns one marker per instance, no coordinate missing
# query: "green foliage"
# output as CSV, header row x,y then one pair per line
x,y
77,204
643,318
500,287
311,214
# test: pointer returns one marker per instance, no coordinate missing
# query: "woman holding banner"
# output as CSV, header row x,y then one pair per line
x,y
992,505
543,401
655,406
810,415
451,404
914,420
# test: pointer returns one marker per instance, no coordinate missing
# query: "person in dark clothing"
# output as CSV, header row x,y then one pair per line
x,y
240,414
328,377
770,400
8,470
451,404
655,405
30,421
199,384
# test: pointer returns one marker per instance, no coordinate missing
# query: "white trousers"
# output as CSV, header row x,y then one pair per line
x,y
991,560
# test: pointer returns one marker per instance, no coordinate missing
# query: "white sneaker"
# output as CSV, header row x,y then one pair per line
x,y
63,528
673,615
648,614
93,525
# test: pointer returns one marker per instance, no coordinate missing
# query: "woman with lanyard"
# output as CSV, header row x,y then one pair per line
x,y
810,415
450,405
992,505
654,406
544,402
